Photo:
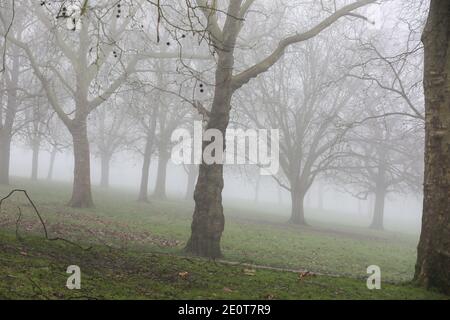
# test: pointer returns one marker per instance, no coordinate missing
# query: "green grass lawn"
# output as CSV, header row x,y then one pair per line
x,y
137,252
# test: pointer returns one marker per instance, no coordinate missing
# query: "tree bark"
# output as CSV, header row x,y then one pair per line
x,y
52,163
104,177
5,154
81,193
433,254
160,186
35,159
208,220
297,207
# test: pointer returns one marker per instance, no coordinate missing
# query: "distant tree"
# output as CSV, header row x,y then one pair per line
x,y
12,76
145,112
379,159
33,131
110,128
394,70
307,104
57,140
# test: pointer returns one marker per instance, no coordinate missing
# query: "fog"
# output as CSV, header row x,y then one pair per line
x,y
342,103
243,130
402,213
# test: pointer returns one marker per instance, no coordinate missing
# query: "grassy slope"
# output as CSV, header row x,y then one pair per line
x,y
36,268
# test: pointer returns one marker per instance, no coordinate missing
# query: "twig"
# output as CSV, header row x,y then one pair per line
x,y
18,222
39,216
32,204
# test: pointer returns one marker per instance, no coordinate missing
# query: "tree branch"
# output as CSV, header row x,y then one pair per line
x,y
242,78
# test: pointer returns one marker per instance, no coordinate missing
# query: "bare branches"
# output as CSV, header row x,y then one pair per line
x,y
212,24
245,76
114,86
5,36
202,110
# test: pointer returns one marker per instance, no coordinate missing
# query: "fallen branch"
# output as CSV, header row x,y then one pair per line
x,y
17,222
39,216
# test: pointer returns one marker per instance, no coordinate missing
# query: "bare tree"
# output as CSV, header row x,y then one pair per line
x,y
34,129
12,74
56,139
398,73
208,219
8,114
378,161
146,118
111,128
89,49
307,104
85,63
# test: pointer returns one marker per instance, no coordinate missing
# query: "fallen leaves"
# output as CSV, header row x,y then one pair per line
x,y
305,274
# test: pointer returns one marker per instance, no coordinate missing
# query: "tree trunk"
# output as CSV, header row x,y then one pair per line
x,y
6,128
81,193
192,178
380,193
52,163
160,186
433,254
35,159
297,207
5,153
208,220
104,178
143,189
378,209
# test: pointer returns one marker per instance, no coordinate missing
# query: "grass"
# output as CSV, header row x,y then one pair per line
x,y
137,253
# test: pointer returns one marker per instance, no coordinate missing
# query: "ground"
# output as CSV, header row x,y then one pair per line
x,y
131,250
